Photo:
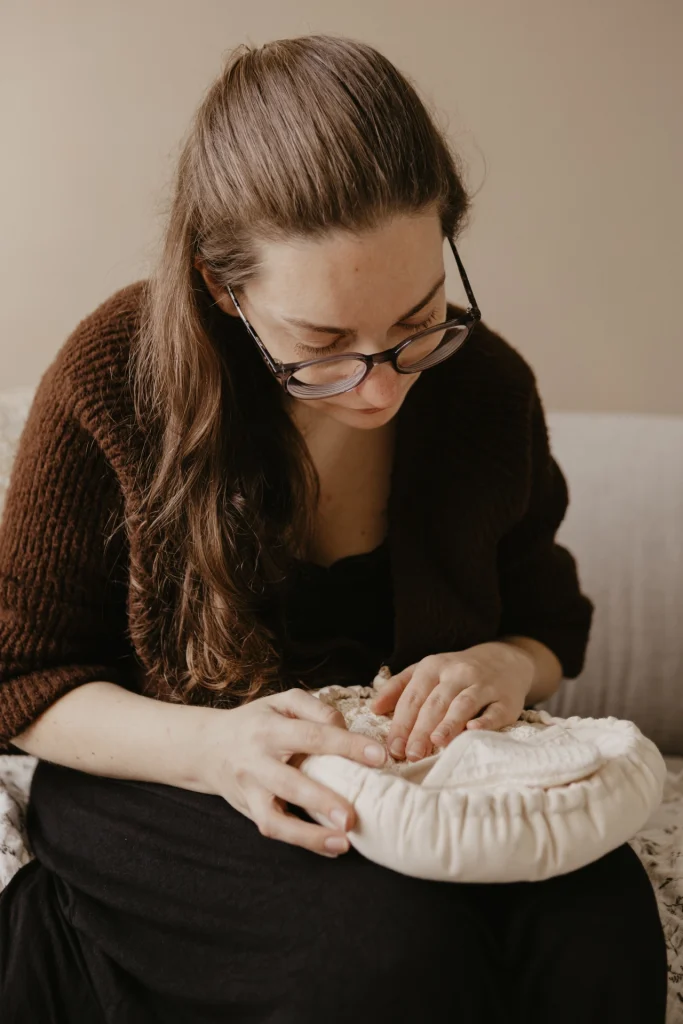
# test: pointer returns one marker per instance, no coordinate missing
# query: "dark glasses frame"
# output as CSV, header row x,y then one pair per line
x,y
284,372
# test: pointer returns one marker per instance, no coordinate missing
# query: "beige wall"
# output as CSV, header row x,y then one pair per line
x,y
567,115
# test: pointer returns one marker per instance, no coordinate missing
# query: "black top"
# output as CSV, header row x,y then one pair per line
x,y
339,619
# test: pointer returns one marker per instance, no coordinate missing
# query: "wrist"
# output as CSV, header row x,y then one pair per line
x,y
205,741
546,667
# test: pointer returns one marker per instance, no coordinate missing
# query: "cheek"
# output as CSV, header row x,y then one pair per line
x,y
393,391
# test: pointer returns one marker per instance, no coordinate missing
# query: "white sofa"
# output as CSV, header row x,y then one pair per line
x,y
625,528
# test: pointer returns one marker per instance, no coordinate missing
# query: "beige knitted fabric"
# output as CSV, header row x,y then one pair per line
x,y
538,798
531,752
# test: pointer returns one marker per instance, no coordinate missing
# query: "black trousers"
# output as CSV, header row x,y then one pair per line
x,y
148,904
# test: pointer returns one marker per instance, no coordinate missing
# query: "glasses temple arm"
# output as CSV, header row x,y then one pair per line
x,y
465,279
274,365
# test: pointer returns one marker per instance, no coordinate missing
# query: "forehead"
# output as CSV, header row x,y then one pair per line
x,y
328,278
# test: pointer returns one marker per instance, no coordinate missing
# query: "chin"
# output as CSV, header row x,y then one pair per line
x,y
369,418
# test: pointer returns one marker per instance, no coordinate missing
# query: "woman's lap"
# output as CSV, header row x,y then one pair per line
x,y
42,972
180,908
589,945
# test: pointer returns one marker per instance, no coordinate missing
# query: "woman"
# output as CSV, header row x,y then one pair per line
x,y
283,461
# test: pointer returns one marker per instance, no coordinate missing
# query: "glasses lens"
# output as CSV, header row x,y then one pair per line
x,y
432,346
329,377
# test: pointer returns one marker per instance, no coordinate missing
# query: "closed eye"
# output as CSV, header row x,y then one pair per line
x,y
330,349
416,328
308,350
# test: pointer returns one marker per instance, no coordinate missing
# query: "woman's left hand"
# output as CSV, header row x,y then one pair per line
x,y
436,698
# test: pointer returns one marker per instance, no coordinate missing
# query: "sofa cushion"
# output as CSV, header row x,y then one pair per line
x,y
624,526
14,406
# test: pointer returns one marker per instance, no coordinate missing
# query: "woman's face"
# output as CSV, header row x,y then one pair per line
x,y
348,293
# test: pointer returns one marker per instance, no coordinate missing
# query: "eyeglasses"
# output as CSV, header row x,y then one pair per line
x,y
335,374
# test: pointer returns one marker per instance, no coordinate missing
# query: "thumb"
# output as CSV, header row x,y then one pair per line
x,y
298,703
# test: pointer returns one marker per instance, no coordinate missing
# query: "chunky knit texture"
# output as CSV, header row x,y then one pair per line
x,y
476,500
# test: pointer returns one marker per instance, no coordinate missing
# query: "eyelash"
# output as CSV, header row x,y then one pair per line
x,y
415,328
330,349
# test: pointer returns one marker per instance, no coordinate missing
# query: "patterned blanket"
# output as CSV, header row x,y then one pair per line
x,y
659,845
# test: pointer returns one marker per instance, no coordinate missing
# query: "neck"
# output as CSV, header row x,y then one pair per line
x,y
329,441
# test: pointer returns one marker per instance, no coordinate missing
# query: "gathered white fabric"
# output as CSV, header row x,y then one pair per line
x,y
539,798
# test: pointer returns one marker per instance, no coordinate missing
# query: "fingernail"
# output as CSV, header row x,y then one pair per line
x,y
398,747
416,751
336,844
339,818
375,753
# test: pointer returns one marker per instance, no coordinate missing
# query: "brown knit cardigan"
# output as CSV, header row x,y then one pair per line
x,y
476,500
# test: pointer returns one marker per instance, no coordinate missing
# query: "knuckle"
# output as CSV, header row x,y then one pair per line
x,y
412,700
310,736
305,793
438,702
492,715
281,780
241,775
267,827
494,710
487,722
431,662
465,671
466,704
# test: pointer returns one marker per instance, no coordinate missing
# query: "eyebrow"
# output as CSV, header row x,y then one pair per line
x,y
351,331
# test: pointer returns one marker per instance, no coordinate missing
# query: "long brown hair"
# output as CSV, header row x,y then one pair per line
x,y
293,138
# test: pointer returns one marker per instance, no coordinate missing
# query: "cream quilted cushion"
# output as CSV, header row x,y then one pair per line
x,y
535,799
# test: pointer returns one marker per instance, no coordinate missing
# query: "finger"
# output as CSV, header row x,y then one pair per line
x,y
424,680
464,709
295,736
385,701
495,716
435,710
405,672
391,690
292,785
297,703
274,822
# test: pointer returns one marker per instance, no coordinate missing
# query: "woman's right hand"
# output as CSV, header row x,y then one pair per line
x,y
250,757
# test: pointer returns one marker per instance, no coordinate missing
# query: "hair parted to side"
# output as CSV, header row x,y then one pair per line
x,y
295,137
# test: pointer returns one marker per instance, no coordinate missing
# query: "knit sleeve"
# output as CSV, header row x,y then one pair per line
x,y
62,589
538,578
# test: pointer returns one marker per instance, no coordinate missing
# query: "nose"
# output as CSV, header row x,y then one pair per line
x,y
383,386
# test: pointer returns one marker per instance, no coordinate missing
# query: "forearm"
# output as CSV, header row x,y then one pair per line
x,y
547,667
104,729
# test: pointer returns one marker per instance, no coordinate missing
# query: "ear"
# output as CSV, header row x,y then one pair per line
x,y
220,295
